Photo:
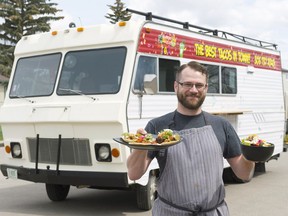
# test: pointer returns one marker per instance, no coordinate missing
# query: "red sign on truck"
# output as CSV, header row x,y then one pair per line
x,y
170,44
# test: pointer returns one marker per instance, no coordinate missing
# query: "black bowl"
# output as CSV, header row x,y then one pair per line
x,y
257,153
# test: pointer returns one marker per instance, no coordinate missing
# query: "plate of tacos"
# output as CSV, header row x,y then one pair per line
x,y
162,140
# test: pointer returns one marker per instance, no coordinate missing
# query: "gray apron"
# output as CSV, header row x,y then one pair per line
x,y
191,182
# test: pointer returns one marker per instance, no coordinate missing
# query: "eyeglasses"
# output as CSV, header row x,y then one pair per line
x,y
188,85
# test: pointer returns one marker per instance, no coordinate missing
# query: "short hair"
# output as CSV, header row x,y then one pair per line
x,y
193,65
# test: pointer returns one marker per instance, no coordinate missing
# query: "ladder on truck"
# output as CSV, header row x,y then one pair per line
x,y
186,25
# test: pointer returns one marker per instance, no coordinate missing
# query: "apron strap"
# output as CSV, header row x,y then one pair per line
x,y
194,212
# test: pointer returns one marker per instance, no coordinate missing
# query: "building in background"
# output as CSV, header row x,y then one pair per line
x,y
285,86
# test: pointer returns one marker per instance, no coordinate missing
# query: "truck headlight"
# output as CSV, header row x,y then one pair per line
x,y
103,152
16,150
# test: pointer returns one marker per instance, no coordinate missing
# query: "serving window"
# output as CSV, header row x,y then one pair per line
x,y
167,72
222,79
164,69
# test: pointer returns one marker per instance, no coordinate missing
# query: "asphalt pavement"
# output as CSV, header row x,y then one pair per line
x,y
266,194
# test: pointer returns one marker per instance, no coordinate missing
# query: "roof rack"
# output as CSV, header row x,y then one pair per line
x,y
215,32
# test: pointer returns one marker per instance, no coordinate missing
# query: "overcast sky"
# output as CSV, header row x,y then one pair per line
x,y
266,20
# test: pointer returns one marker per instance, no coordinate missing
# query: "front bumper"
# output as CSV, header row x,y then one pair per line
x,y
96,179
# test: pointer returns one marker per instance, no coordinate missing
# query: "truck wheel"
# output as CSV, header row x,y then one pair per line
x,y
57,192
146,195
230,177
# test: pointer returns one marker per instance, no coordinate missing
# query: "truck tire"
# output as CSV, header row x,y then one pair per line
x,y
146,195
57,192
230,177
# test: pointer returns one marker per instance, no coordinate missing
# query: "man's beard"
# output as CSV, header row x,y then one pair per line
x,y
182,98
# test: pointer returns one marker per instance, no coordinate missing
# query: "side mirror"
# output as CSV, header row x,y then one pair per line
x,y
150,84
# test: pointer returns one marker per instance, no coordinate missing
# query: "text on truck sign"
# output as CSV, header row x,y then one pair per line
x,y
164,43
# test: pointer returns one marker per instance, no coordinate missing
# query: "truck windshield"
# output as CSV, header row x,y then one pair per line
x,y
96,71
35,76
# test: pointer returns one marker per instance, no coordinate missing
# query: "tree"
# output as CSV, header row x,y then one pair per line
x,y
22,17
119,12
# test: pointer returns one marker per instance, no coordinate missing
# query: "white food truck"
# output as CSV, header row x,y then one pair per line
x,y
72,91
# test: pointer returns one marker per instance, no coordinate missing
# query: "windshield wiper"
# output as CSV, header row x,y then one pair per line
x,y
24,98
78,92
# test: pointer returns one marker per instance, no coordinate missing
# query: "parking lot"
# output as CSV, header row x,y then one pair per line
x,y
265,195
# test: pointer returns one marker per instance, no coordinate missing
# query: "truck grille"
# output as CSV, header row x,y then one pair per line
x,y
73,151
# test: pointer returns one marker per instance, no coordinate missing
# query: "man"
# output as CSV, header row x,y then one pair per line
x,y
190,181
